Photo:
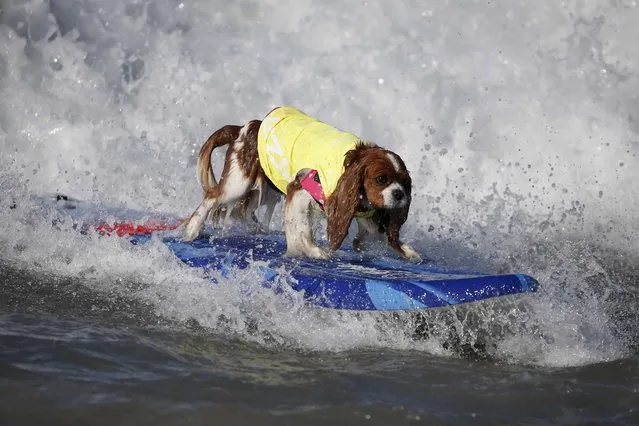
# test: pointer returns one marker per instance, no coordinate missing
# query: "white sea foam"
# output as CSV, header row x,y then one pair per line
x,y
518,121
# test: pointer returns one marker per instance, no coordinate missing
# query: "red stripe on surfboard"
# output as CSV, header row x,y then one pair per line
x,y
133,228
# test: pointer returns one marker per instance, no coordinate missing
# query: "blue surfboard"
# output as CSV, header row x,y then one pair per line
x,y
351,281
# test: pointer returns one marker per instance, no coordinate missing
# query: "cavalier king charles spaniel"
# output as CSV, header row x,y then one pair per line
x,y
317,167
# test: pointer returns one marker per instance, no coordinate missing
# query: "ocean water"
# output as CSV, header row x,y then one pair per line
x,y
519,122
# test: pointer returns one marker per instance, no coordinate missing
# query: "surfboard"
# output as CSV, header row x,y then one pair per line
x,y
351,281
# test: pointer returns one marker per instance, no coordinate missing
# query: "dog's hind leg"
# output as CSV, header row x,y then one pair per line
x,y
235,183
233,188
194,224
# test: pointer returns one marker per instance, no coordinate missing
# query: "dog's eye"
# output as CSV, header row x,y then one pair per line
x,y
381,180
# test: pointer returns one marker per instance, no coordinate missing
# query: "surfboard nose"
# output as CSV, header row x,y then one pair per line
x,y
528,283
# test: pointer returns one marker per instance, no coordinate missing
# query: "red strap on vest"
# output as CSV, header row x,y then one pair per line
x,y
313,187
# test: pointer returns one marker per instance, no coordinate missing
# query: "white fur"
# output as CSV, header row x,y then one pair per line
x,y
236,184
298,227
393,160
389,200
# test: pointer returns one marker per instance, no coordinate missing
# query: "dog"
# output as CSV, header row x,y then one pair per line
x,y
317,167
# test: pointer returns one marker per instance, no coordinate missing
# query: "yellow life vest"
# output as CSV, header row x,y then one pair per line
x,y
289,140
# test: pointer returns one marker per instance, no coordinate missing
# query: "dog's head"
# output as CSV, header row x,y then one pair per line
x,y
373,178
382,180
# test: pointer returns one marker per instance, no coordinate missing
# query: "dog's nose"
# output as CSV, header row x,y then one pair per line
x,y
398,194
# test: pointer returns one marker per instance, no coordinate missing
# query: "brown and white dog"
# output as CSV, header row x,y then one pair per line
x,y
362,182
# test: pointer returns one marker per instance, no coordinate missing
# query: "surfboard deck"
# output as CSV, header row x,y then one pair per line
x,y
350,281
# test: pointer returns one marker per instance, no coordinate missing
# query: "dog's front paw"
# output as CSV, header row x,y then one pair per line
x,y
313,252
316,253
319,254
409,253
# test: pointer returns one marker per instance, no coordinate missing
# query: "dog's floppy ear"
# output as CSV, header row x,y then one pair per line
x,y
356,154
342,205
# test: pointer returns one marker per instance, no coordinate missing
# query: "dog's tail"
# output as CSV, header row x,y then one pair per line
x,y
220,137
